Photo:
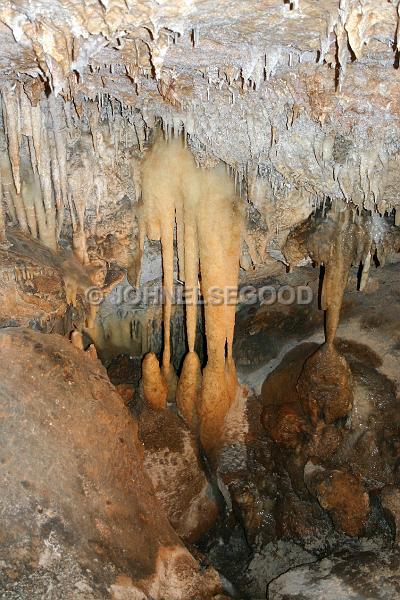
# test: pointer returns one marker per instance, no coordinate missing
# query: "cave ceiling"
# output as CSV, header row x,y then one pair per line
x,y
300,97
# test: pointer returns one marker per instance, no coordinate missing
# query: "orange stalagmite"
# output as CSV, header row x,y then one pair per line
x,y
188,392
219,227
154,385
202,205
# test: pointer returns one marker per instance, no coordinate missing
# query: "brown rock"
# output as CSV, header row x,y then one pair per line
x,y
283,416
325,386
285,424
346,501
125,390
172,462
369,462
302,520
77,509
324,442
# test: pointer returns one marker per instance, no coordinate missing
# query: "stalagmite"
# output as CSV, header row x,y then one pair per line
x,y
188,393
71,290
158,223
155,389
219,259
92,352
338,240
365,271
325,384
77,340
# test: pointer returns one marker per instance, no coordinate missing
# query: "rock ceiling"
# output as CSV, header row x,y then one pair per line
x,y
296,96
299,99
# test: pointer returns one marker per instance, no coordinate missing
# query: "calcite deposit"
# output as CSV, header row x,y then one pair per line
x,y
204,197
306,91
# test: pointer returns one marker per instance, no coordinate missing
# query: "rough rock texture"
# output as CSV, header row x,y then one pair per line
x,y
278,520
325,386
171,459
299,99
126,391
345,499
46,290
390,498
306,91
295,99
366,575
32,289
79,518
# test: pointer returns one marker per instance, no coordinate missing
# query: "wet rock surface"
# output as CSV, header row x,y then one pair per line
x,y
345,499
301,489
296,104
325,386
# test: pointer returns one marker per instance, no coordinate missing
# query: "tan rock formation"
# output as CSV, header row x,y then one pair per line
x,y
75,499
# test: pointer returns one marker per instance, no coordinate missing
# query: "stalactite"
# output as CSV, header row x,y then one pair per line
x,y
219,255
12,123
57,187
29,99
14,201
60,158
80,183
337,268
342,238
208,216
30,193
46,209
167,243
71,290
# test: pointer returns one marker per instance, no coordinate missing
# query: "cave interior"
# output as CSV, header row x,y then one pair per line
x,y
199,300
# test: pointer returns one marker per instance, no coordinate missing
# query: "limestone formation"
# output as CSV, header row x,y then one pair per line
x,y
155,387
78,511
203,197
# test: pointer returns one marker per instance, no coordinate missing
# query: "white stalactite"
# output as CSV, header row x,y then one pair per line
x,y
12,122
